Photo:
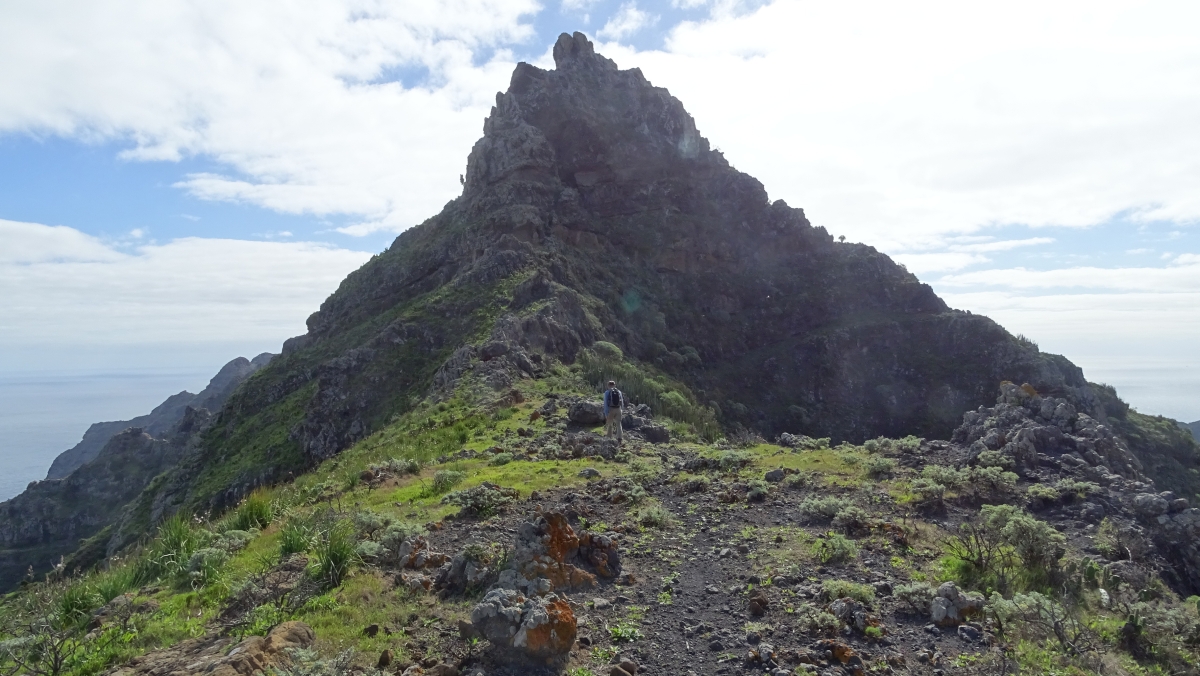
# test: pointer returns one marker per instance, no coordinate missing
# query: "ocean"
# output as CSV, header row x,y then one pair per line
x,y
44,414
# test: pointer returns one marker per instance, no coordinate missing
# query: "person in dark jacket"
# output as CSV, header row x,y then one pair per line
x,y
614,402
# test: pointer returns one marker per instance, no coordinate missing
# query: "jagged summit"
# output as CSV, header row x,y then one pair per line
x,y
583,124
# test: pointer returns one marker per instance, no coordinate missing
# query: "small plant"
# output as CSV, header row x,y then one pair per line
x,y
799,480
501,459
927,492
604,655
664,598
729,461
655,516
873,633
369,523
946,476
625,632
834,548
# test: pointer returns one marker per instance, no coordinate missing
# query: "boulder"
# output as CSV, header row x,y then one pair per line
x,y
586,413
526,628
950,606
655,434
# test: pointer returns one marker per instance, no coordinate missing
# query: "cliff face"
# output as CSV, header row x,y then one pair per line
x,y
90,484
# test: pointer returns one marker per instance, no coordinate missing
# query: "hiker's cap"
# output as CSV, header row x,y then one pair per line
x,y
612,383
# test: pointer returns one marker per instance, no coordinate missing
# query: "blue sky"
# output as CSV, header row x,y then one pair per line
x,y
180,184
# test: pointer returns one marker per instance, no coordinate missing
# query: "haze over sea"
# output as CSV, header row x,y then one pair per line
x,y
44,414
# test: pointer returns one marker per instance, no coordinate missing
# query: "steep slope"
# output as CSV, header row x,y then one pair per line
x,y
116,461
161,418
593,210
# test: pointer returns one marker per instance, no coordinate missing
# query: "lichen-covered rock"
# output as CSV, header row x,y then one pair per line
x,y
527,627
414,553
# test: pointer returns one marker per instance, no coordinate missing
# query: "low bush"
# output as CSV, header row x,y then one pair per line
x,y
1005,547
370,524
816,620
839,589
949,477
655,516
444,480
501,459
834,548
880,468
483,500
852,519
822,509
758,490
995,459
205,566
915,597
927,493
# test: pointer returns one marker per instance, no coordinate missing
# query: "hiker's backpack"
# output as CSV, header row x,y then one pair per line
x,y
614,398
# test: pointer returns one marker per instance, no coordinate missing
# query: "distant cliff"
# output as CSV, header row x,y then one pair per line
x,y
158,421
90,484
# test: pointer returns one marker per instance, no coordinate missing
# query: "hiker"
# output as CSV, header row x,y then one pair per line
x,y
614,401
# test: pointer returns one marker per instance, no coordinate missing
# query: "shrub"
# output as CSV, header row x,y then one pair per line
x,y
909,444
256,511
396,535
233,540
655,516
758,490
729,461
1005,544
1041,494
501,459
916,597
852,519
335,553
398,466
822,509
879,468
928,493
483,500
369,523
1073,488
839,589
817,621
991,483
295,538
995,459
205,565
445,479
949,477
369,551
171,551
834,548
876,445
1037,617
799,480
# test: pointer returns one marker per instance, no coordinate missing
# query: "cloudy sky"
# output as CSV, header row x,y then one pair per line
x,y
184,182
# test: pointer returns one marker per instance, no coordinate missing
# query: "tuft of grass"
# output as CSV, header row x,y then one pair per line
x,y
295,538
256,511
336,553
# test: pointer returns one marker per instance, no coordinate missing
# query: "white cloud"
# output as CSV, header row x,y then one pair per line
x,y
1182,276
892,121
65,288
290,99
625,22
921,263
29,243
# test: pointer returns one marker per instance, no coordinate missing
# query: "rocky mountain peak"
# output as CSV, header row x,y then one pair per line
x,y
586,123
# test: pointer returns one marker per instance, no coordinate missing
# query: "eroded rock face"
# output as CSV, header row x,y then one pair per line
x,y
1031,429
531,628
